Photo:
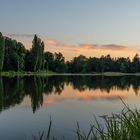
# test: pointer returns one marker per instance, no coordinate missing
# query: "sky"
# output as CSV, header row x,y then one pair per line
x,y
74,27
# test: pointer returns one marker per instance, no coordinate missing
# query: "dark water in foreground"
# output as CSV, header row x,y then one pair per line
x,y
27,103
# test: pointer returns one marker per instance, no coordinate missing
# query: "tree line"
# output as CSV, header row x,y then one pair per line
x,y
15,57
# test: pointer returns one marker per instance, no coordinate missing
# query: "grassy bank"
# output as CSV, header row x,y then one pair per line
x,y
12,73
49,73
118,74
122,126
101,74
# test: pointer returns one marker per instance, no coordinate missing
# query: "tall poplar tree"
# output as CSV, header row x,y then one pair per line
x,y
37,54
43,56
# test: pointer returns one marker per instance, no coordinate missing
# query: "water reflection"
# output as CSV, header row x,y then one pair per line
x,y
13,90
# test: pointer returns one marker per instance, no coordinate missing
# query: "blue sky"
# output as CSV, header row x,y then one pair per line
x,y
74,21
98,21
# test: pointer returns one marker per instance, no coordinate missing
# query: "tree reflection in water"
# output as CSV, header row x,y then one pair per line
x,y
13,90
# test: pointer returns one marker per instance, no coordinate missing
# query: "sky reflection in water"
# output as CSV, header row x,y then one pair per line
x,y
27,103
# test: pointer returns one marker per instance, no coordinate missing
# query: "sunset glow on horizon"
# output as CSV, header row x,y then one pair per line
x,y
72,50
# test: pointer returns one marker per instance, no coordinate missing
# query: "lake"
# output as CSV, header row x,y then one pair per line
x,y
27,103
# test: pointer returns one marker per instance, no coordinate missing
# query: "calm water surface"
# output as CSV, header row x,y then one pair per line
x,y
27,103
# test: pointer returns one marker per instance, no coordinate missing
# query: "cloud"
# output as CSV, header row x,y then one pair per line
x,y
103,47
88,46
89,50
20,35
114,47
71,50
52,42
55,43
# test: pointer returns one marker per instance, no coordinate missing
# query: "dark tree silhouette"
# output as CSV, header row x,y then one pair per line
x,y
14,57
2,51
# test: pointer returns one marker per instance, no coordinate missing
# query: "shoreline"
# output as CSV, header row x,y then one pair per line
x,y
49,73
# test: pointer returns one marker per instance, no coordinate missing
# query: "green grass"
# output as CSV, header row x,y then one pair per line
x,y
41,136
49,73
119,74
122,126
13,73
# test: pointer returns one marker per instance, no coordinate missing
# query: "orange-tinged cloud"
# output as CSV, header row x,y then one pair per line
x,y
52,42
102,47
69,50
89,50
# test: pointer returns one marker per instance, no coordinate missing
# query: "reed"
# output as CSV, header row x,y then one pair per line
x,y
122,126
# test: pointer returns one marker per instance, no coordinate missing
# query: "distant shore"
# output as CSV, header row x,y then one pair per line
x,y
50,73
12,73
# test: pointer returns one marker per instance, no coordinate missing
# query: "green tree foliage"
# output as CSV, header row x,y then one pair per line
x,y
49,61
55,62
2,51
81,64
78,64
93,65
14,55
28,61
37,54
1,93
59,63
42,56
136,63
